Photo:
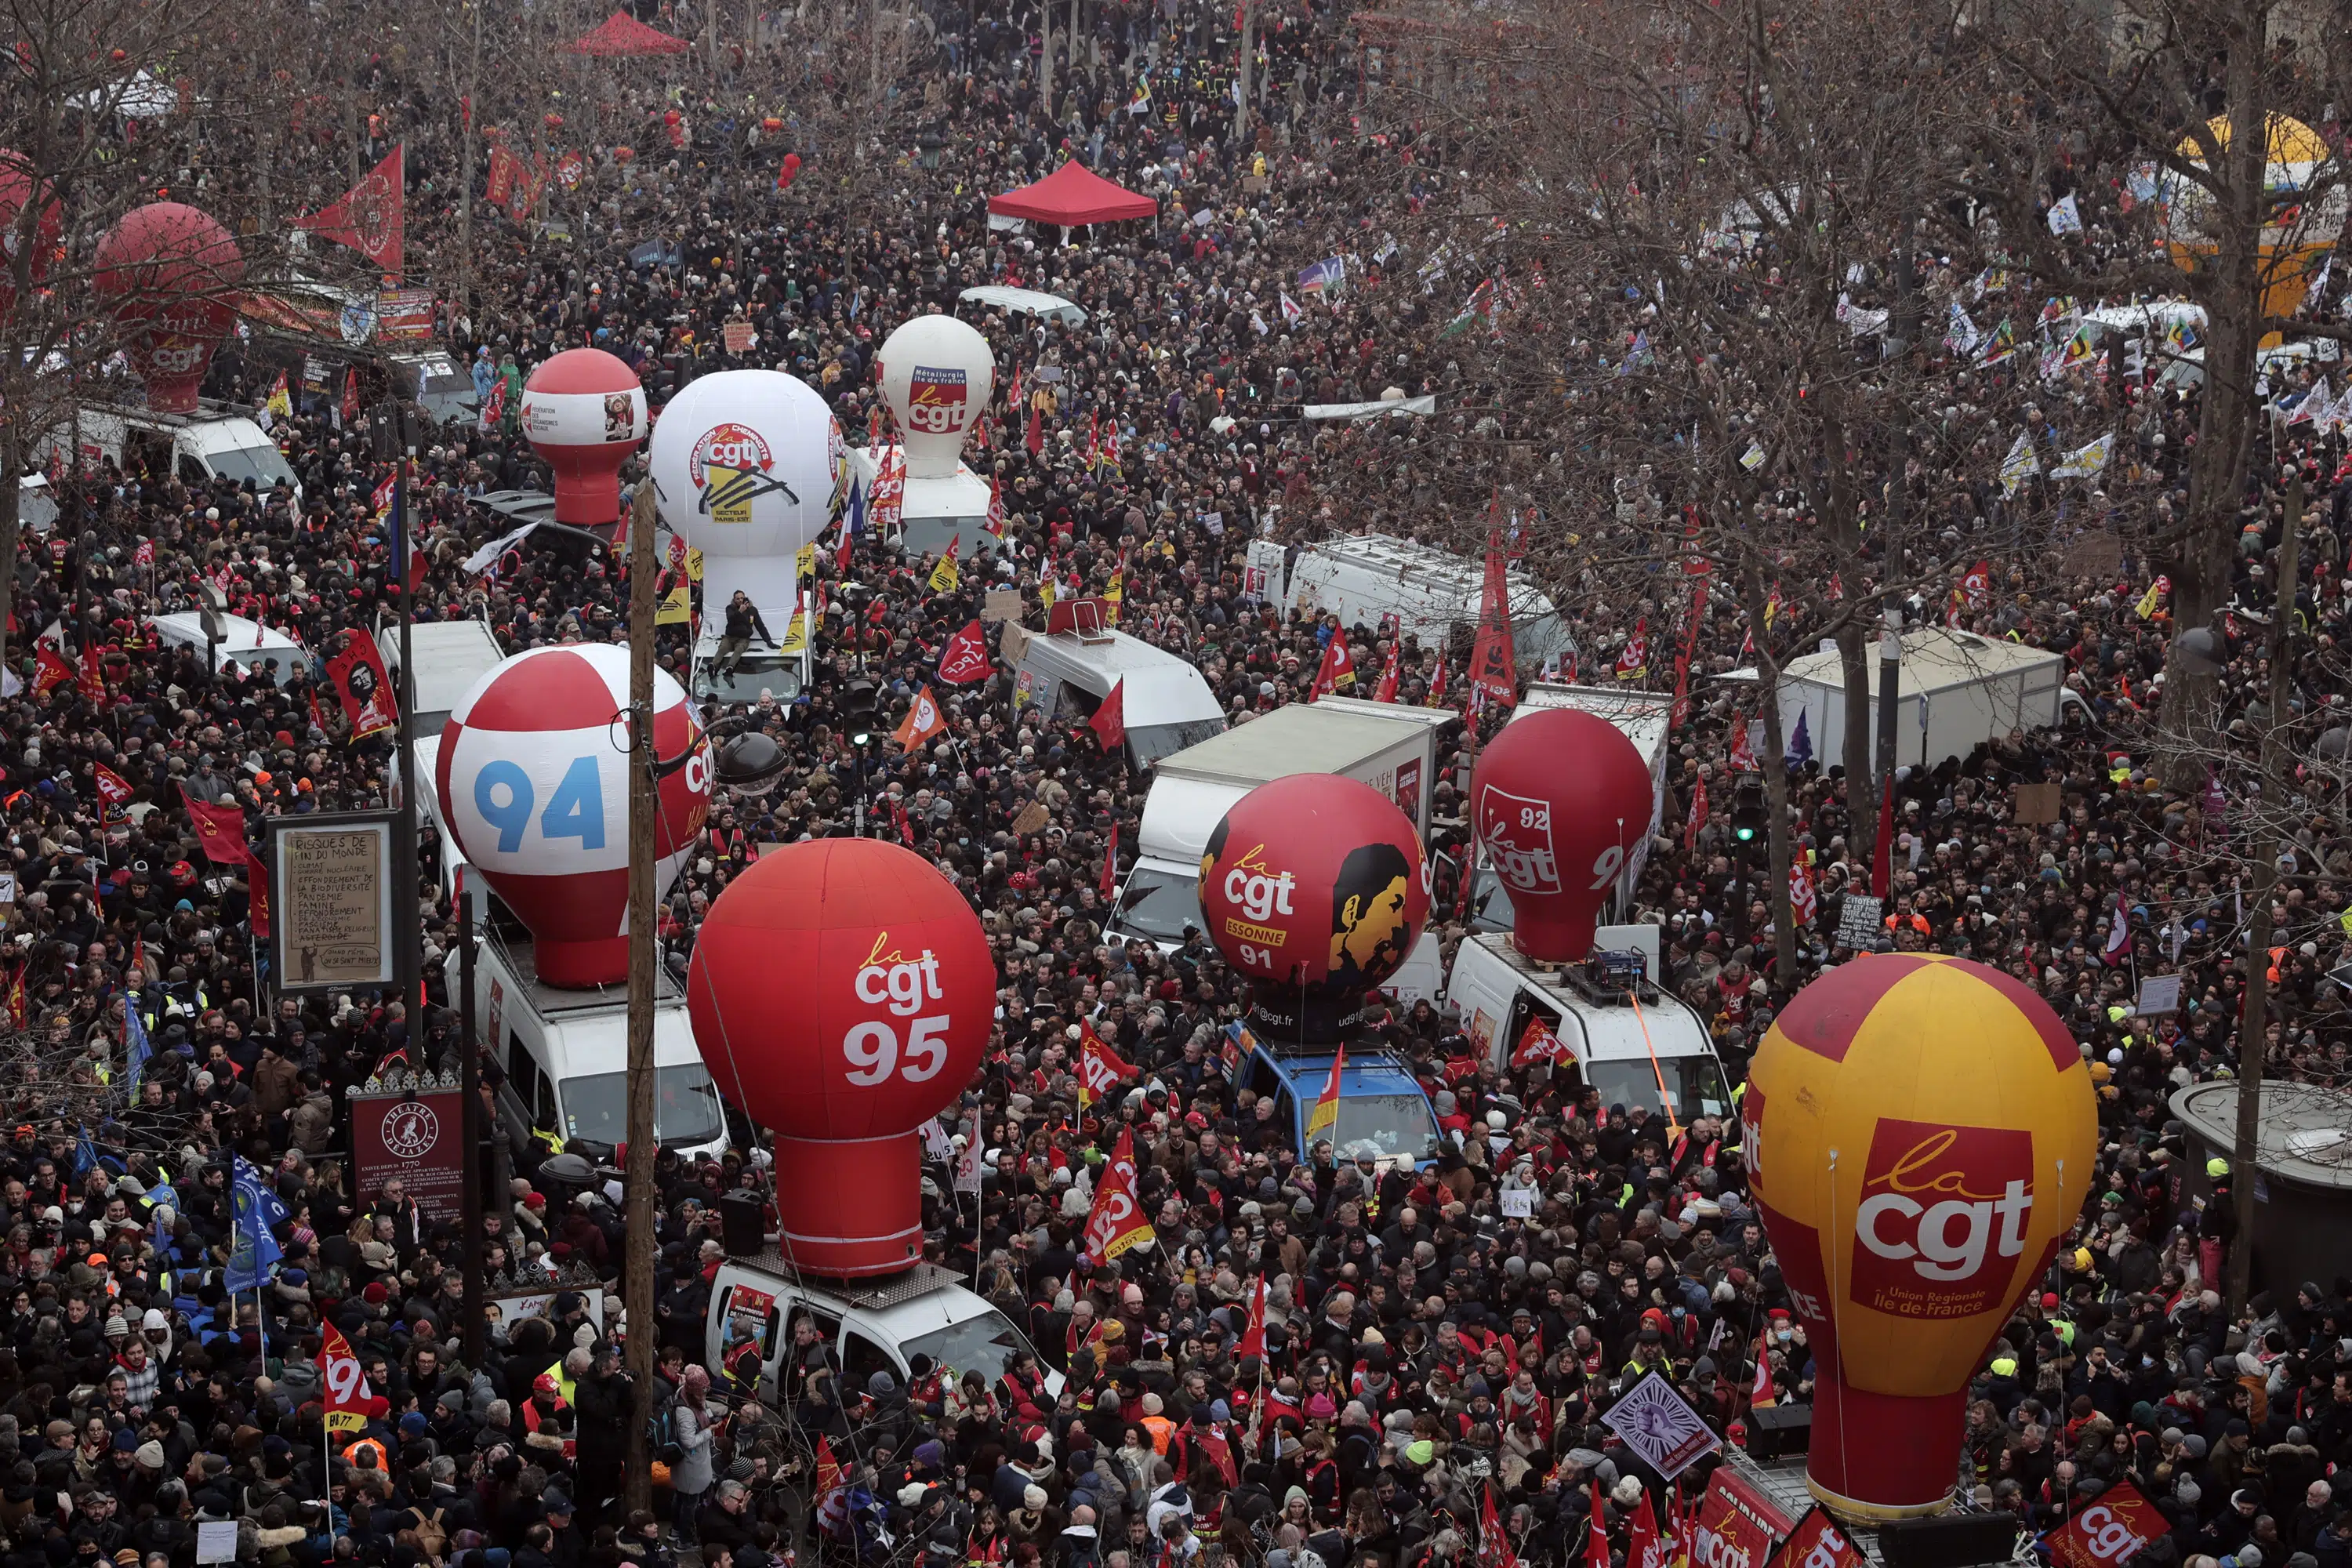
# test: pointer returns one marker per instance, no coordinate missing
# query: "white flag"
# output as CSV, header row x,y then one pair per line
x,y
2312,297
1961,335
2085,462
2065,217
1290,308
2019,466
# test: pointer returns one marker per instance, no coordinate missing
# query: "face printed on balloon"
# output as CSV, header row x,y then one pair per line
x,y
1368,927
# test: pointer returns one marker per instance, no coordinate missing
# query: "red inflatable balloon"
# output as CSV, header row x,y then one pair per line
x,y
16,184
1313,885
843,992
584,412
788,172
170,275
1560,799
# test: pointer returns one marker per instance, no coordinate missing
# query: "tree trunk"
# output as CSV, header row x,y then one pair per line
x,y
1774,764
12,455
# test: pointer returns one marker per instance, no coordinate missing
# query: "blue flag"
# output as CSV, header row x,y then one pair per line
x,y
258,1209
85,1155
1801,745
161,1196
134,1042
856,507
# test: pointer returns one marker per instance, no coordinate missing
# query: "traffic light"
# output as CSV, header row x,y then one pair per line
x,y
857,711
1748,811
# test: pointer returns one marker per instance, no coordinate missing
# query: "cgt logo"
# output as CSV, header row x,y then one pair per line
x,y
1517,835
904,983
1260,893
1942,1221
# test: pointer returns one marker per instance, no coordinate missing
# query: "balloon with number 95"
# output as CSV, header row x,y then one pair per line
x,y
843,992
533,785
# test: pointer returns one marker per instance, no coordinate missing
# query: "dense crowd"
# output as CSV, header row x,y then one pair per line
x,y
1419,1345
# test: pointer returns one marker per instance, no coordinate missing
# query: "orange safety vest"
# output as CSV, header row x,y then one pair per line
x,y
1161,1429
383,1458
531,1419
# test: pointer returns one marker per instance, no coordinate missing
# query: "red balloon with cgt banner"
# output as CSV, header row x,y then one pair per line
x,y
1314,886
170,275
842,992
1559,800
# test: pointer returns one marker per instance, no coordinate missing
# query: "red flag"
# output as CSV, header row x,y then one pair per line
x,y
1253,1340
1100,1070
1109,722
1539,1044
1494,669
91,677
1493,1540
1646,1545
1743,747
219,828
829,1476
257,882
1818,1542
1035,441
502,175
1437,684
51,670
112,787
368,218
1760,1392
1338,669
358,679
1110,864
1387,690
351,405
346,1384
1697,816
906,828
1117,1223
17,1007
2108,1532
965,658
1634,662
1596,1545
1978,585
145,554
922,722
1803,905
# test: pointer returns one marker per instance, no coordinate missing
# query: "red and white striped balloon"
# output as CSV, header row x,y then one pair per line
x,y
536,791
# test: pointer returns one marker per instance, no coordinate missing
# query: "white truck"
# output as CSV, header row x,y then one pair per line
x,y
1393,749
1412,590
1061,678
1643,717
217,442
934,510
1634,1041
759,1303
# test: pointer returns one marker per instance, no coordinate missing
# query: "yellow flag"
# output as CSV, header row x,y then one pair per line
x,y
1045,593
796,635
2148,601
694,565
946,575
676,609
804,564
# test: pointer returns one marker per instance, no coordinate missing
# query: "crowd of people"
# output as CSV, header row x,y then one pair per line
x,y
1424,1349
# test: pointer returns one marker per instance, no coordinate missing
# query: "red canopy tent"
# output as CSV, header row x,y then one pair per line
x,y
1070,195
623,35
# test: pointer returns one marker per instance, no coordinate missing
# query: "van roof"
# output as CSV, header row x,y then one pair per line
x,y
1307,1071
1161,687
1301,738
1033,301
237,633
1666,1027
450,657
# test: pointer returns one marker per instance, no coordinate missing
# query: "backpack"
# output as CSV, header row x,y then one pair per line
x,y
661,1435
431,1534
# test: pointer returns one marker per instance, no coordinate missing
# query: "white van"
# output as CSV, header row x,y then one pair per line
x,y
1063,677
565,1054
954,506
1408,589
217,442
759,1303
248,645
450,657
1020,302
1627,1051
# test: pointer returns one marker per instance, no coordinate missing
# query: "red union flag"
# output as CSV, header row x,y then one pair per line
x,y
1117,1222
936,402
965,658
112,787
1818,1542
1738,1526
1539,1044
368,217
2109,1532
347,1391
1099,1068
1941,1229
1515,834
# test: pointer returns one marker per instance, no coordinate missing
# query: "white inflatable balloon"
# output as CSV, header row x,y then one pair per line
x,y
747,463
938,375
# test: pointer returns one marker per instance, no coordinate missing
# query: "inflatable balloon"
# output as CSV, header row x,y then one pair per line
x,y
1919,1132
842,992
584,412
536,793
170,275
16,184
937,374
1559,801
745,464
790,170
1314,886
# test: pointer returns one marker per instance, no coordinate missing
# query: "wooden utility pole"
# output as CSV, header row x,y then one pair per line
x,y
2244,1173
638,1284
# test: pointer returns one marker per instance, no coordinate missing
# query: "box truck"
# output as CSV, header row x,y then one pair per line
x,y
1394,750
1414,590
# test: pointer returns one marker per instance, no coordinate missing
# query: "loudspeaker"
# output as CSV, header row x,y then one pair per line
x,y
743,1224
1779,1431
1948,1541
